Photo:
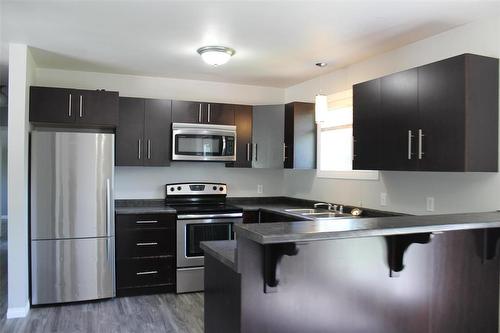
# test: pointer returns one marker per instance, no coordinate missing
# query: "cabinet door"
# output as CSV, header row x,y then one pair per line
x,y
442,115
187,112
268,135
300,136
157,127
98,108
399,121
52,105
243,122
366,135
220,114
130,132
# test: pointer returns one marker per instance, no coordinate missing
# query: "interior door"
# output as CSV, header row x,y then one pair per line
x,y
268,136
157,125
366,135
399,121
130,132
71,177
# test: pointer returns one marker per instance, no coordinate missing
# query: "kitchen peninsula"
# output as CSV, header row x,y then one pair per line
x,y
385,274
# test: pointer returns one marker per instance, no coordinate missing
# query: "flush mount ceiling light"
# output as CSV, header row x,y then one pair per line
x,y
216,55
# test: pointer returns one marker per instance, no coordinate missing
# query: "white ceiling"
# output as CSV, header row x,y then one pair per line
x,y
276,42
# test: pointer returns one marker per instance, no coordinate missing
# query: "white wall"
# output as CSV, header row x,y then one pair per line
x,y
143,182
21,76
453,192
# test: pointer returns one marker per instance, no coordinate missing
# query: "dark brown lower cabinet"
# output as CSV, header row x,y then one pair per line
x,y
266,216
145,253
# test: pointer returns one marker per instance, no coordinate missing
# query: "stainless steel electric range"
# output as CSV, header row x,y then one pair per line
x,y
202,215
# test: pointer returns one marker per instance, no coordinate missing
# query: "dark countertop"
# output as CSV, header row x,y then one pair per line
x,y
224,251
269,233
144,206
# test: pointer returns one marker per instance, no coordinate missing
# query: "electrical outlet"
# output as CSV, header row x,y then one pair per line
x,y
260,188
383,199
430,204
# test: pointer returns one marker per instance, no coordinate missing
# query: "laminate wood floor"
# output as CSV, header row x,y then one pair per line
x,y
169,313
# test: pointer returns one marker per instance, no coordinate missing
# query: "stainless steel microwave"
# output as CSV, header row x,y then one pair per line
x,y
202,142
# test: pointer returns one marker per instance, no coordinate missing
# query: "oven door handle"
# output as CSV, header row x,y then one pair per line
x,y
207,216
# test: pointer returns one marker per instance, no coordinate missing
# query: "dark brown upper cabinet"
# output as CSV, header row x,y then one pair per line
x,y
366,130
82,108
438,117
143,136
299,149
243,122
202,113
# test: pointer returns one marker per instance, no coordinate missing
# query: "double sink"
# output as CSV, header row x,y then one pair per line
x,y
317,213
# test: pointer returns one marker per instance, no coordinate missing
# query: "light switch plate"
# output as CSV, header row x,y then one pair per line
x,y
260,188
383,199
430,204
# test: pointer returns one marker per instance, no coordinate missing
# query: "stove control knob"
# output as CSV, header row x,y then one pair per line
x,y
172,189
221,188
179,188
215,188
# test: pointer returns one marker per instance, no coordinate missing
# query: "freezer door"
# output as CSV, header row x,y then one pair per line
x,y
72,270
71,185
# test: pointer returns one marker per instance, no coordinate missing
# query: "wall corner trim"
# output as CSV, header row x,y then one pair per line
x,y
19,312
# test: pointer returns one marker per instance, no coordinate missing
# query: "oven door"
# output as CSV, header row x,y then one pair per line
x,y
199,142
190,233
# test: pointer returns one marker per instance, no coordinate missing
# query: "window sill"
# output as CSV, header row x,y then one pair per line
x,y
357,174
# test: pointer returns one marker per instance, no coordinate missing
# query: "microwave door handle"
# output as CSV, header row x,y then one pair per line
x,y
223,145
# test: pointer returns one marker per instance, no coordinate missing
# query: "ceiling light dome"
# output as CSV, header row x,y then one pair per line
x,y
216,55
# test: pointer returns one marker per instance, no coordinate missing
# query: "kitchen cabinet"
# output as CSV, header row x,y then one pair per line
x,y
243,122
81,108
438,117
299,136
143,136
268,135
366,131
145,253
266,216
202,113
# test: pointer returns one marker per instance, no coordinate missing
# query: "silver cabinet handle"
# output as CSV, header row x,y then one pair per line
x,y
420,148
139,149
410,137
208,113
199,114
284,152
149,149
256,153
147,244
147,273
248,151
146,222
352,148
69,105
81,106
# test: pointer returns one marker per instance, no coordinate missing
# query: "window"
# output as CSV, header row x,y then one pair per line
x,y
335,142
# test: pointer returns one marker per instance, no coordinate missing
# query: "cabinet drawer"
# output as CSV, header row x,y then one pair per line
x,y
142,221
145,272
148,242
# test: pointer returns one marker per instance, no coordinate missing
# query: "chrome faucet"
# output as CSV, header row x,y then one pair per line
x,y
330,207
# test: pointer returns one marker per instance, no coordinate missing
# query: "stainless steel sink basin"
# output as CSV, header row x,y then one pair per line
x,y
304,211
327,215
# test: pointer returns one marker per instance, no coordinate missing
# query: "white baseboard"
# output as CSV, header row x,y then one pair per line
x,y
20,312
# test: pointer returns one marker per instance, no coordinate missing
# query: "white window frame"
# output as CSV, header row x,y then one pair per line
x,y
336,174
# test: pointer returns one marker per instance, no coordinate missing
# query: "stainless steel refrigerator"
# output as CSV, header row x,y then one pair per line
x,y
72,216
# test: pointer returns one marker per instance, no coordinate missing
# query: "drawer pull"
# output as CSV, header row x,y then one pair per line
x,y
147,244
146,222
147,273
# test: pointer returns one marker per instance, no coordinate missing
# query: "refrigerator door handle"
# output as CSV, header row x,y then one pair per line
x,y
108,207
